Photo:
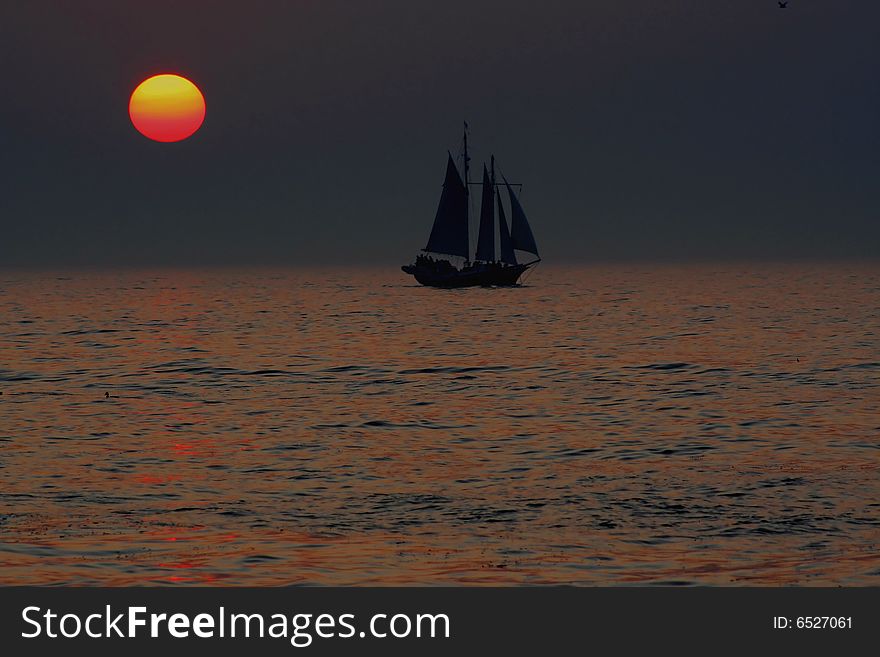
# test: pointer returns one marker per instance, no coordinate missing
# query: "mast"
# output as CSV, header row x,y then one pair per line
x,y
467,182
467,159
492,176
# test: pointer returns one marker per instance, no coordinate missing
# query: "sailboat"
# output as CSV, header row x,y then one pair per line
x,y
450,235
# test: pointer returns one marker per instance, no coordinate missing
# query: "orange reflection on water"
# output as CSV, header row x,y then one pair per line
x,y
601,426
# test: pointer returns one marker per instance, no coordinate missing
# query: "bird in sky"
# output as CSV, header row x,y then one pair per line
x,y
783,5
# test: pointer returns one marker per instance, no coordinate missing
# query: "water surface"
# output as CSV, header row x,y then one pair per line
x,y
605,425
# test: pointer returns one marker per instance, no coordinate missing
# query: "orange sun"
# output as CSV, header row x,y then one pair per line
x,y
167,108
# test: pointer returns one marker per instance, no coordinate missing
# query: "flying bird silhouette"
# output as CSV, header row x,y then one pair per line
x,y
783,5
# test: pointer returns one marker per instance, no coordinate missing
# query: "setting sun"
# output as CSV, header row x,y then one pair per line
x,y
167,108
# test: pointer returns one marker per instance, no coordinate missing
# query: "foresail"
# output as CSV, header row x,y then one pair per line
x,y
486,238
450,232
508,257
520,231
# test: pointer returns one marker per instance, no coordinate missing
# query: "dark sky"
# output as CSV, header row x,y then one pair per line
x,y
642,129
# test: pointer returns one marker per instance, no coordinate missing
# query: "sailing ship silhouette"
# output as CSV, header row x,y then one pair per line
x,y
450,234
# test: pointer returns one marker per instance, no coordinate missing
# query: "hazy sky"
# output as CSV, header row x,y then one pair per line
x,y
642,129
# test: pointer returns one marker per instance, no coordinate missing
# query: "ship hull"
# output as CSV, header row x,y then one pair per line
x,y
476,276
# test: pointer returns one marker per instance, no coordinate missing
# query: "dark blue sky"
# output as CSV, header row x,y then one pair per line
x,y
643,130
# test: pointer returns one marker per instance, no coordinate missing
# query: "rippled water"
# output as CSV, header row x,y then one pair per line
x,y
599,426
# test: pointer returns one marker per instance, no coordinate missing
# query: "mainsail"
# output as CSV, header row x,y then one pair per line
x,y
486,239
450,232
520,231
508,257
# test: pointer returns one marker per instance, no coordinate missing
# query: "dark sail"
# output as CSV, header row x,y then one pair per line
x,y
486,240
508,257
450,232
520,231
